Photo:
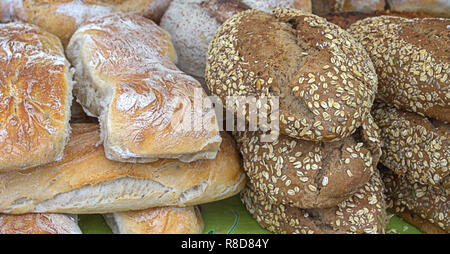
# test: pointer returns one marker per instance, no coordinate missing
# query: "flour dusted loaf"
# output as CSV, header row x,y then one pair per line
x,y
192,24
414,146
39,224
412,60
425,206
439,8
63,17
324,79
364,212
35,97
160,220
84,181
147,107
309,174
321,7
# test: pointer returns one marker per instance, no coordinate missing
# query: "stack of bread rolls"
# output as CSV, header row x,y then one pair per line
x,y
138,164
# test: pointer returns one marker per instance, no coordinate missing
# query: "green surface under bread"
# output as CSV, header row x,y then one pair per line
x,y
228,216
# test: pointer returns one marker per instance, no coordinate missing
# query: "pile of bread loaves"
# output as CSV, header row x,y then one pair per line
x,y
96,116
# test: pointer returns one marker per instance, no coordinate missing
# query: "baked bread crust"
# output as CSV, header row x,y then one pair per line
x,y
39,224
412,62
146,106
84,181
160,220
321,7
414,146
437,8
35,97
324,79
364,212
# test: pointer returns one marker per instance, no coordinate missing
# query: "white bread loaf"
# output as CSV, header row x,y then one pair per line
x,y
39,224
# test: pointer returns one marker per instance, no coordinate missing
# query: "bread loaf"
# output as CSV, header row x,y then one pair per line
x,y
192,24
85,182
426,207
164,220
321,7
146,106
35,97
414,146
364,212
39,224
307,174
439,8
412,60
323,78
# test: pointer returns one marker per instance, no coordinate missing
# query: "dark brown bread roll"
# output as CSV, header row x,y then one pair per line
x,y
324,79
321,7
364,212
414,146
412,60
309,174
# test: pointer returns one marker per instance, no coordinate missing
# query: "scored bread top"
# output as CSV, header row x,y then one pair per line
x,y
412,60
324,79
35,97
38,224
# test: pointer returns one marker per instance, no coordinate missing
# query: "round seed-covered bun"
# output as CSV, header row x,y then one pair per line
x,y
324,79
309,174
364,212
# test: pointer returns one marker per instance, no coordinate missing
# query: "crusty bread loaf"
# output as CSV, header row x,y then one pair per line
x,y
161,220
414,146
39,224
364,212
147,107
63,17
307,174
192,24
323,78
412,61
35,97
321,7
439,8
427,207
84,181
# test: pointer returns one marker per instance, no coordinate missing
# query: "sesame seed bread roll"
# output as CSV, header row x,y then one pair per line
x,y
323,78
412,60
321,7
414,146
39,224
192,24
160,220
438,8
63,17
35,97
364,212
85,182
426,207
309,174
147,107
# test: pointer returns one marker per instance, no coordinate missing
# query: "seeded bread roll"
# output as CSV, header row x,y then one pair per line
x,y
85,182
427,207
39,224
321,7
147,108
414,146
63,17
439,8
35,97
161,220
306,174
412,60
192,24
364,212
324,79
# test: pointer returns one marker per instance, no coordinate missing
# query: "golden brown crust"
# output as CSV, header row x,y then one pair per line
x,y
412,61
413,146
84,165
38,224
324,79
438,8
322,7
35,97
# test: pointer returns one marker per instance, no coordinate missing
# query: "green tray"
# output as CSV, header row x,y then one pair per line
x,y
228,216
